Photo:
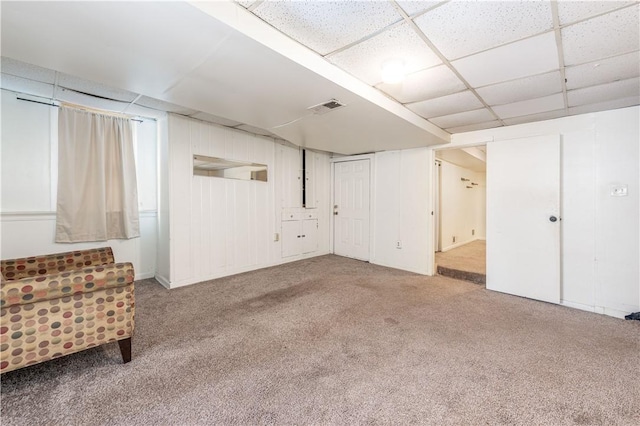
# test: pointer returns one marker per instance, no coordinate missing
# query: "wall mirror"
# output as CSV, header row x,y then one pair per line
x,y
230,169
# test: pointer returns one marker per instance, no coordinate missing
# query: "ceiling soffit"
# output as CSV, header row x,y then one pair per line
x,y
261,89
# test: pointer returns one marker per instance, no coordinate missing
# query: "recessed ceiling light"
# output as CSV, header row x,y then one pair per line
x,y
393,71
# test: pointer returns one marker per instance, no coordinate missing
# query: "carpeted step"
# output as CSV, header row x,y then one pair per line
x,y
458,274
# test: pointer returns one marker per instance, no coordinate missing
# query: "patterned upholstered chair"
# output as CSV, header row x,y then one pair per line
x,y
62,303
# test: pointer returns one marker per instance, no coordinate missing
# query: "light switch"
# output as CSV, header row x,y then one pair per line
x,y
619,190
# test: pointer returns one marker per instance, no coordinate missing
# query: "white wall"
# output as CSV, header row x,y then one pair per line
x,y
462,209
28,186
600,233
219,227
400,195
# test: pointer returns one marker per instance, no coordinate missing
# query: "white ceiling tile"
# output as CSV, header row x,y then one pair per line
x,y
604,71
215,119
412,7
246,3
602,37
571,10
531,106
604,106
522,89
26,86
463,118
325,26
549,115
605,92
32,72
458,102
164,106
532,56
427,84
92,88
460,28
472,127
364,60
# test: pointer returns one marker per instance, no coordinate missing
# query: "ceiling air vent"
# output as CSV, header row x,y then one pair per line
x,y
325,107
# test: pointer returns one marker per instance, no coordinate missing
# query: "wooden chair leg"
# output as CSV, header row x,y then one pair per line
x,y
125,349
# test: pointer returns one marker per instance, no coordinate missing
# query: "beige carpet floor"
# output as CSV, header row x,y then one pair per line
x,y
470,257
336,341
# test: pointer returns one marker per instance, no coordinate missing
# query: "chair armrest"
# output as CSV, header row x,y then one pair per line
x,y
15,269
65,284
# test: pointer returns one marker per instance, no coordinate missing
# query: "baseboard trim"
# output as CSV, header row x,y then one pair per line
x,y
579,306
162,280
227,273
145,275
456,245
596,309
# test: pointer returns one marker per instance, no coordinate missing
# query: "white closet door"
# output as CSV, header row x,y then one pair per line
x,y
523,217
309,235
291,238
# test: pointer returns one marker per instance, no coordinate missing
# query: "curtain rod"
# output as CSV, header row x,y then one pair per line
x,y
100,111
37,102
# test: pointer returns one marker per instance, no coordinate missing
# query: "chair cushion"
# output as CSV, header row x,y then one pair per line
x,y
64,284
15,269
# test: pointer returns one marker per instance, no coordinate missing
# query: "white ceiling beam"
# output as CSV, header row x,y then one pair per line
x,y
246,23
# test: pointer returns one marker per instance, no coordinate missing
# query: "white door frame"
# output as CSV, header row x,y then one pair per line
x,y
431,257
437,204
371,158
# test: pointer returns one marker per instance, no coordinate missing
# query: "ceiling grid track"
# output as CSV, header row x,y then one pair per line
x,y
132,103
56,77
254,5
556,29
363,39
444,60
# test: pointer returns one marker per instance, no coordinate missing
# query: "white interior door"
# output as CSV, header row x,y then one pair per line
x,y
523,217
351,209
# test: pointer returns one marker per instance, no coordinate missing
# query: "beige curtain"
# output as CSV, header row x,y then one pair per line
x,y
97,192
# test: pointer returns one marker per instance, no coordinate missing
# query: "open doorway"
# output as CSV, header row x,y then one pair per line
x,y
460,213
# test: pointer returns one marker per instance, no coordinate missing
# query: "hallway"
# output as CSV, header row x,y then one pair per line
x,y
467,262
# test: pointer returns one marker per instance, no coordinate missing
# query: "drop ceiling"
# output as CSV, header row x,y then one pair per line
x,y
478,64
258,65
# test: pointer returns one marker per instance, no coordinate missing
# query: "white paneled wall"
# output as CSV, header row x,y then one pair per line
x,y
213,227
25,234
288,176
600,232
462,209
401,191
28,187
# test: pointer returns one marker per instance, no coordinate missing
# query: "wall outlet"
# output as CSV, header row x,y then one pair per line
x,y
398,244
619,190
276,237
473,232
454,239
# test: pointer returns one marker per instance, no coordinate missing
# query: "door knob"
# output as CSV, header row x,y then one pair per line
x,y
335,213
553,218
